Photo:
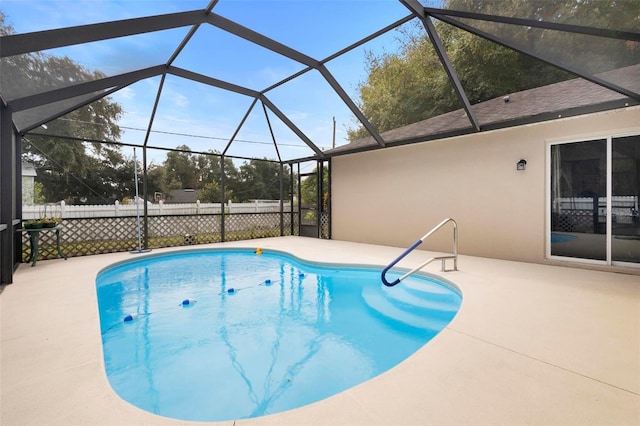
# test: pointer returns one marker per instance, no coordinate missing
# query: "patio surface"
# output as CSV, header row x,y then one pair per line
x,y
532,344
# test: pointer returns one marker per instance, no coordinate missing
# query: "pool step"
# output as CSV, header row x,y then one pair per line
x,y
427,288
430,310
434,299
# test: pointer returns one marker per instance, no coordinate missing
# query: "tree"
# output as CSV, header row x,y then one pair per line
x,y
156,179
211,172
66,168
211,192
259,179
38,197
184,170
181,168
411,85
309,188
71,170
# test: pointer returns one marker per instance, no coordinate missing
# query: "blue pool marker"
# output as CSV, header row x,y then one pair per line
x,y
130,317
301,274
234,290
188,302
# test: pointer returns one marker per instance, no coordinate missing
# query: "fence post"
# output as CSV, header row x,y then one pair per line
x,y
62,205
197,206
117,206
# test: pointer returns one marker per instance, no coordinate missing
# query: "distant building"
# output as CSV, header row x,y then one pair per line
x,y
28,183
183,196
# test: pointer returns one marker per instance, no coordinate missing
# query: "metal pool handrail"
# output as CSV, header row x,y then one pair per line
x,y
453,256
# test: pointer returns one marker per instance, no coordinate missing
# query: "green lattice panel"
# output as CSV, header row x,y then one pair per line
x,y
324,226
248,226
86,236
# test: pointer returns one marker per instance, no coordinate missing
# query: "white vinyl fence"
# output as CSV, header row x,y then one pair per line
x,y
623,208
64,211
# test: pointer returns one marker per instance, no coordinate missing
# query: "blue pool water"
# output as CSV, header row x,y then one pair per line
x,y
211,335
561,238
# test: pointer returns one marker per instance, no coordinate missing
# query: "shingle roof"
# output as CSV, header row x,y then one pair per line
x,y
567,98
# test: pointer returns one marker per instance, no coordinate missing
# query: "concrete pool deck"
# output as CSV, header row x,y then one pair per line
x,y
532,344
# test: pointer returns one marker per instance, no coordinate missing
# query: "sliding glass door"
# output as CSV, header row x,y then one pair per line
x,y
594,194
625,179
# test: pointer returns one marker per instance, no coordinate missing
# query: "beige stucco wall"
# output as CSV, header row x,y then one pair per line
x,y
394,196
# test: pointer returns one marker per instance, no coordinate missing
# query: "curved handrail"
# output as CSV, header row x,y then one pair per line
x,y
392,264
416,244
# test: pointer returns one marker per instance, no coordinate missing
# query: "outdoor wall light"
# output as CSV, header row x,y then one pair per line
x,y
521,165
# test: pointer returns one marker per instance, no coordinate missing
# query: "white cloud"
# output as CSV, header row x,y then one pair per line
x,y
125,94
179,100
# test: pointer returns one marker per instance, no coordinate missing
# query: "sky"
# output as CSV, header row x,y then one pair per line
x,y
203,117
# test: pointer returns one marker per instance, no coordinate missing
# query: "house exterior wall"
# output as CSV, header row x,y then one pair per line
x,y
394,196
28,190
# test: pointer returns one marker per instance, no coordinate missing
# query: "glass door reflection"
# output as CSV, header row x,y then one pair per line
x,y
625,179
579,199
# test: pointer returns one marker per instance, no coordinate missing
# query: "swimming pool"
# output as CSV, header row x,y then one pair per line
x,y
561,238
211,335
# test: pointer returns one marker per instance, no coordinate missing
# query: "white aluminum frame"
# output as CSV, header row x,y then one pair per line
x,y
609,186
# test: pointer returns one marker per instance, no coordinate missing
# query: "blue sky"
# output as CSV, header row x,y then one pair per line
x,y
316,28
